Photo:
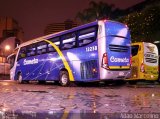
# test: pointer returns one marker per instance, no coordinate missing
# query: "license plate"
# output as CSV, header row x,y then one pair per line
x,y
121,73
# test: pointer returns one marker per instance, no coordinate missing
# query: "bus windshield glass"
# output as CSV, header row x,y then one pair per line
x,y
150,54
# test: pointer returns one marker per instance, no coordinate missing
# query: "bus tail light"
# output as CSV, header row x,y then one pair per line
x,y
130,61
105,61
142,68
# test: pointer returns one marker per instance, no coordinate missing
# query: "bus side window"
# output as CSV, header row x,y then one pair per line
x,y
22,53
56,41
50,48
135,50
31,50
87,36
68,41
41,48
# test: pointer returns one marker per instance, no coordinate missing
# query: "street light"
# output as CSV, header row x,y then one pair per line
x,y
7,47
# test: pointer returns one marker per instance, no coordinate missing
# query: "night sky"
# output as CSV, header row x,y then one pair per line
x,y
34,15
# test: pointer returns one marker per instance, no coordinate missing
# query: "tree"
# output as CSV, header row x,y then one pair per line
x,y
144,25
95,11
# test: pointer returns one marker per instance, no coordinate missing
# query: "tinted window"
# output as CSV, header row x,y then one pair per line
x,y
22,53
56,41
68,41
31,50
87,35
135,50
41,48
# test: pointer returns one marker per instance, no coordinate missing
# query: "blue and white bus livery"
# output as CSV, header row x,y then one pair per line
x,y
96,51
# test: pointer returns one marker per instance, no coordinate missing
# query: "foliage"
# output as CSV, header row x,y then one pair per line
x,y
95,11
144,25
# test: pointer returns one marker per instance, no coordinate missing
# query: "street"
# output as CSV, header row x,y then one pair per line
x,y
50,100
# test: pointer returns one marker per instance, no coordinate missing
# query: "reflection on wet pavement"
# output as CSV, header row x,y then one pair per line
x,y
56,102
84,114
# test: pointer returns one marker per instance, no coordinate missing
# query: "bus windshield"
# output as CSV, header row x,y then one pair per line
x,y
11,60
150,54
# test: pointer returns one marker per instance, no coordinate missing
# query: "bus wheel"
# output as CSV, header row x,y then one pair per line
x,y
64,78
20,80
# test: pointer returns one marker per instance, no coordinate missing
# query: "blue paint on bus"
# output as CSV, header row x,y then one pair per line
x,y
88,50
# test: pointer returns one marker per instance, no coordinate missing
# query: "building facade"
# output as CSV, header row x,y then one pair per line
x,y
57,27
10,36
9,28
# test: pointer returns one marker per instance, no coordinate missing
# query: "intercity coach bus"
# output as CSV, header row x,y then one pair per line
x,y
144,62
96,51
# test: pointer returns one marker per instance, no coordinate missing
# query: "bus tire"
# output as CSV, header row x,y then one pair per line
x,y
19,79
64,78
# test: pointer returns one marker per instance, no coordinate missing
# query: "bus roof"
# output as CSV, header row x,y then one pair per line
x,y
138,43
62,32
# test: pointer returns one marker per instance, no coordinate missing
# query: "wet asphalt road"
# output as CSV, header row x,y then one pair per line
x,y
45,101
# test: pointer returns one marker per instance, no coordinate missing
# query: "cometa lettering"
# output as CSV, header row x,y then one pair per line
x,y
33,61
113,59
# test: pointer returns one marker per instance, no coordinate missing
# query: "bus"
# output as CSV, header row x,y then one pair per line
x,y
157,43
144,62
97,51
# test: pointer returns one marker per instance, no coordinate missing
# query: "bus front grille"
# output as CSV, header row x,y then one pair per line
x,y
118,48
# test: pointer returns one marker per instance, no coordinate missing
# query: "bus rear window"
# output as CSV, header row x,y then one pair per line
x,y
117,29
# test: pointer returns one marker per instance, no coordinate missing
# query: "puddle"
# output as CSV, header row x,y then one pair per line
x,y
144,85
52,88
112,96
146,100
141,86
34,91
54,114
